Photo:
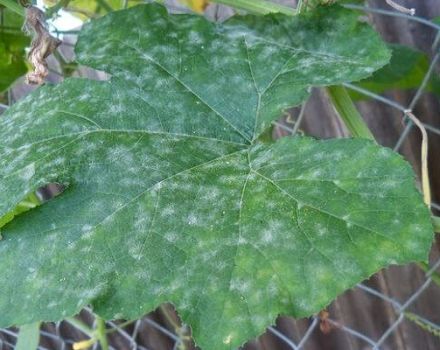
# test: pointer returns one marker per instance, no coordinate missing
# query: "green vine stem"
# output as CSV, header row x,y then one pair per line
x,y
436,223
101,333
429,327
348,112
13,6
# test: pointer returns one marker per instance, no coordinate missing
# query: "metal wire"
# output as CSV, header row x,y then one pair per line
x,y
129,334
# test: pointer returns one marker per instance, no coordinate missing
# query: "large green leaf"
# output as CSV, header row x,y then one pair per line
x,y
169,197
12,48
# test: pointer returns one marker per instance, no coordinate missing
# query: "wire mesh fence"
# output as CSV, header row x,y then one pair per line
x,y
130,335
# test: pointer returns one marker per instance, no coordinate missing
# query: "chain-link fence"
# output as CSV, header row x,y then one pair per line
x,y
153,332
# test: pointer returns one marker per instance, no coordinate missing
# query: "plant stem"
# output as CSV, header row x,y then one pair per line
x,y
436,223
348,112
426,187
425,325
13,6
101,333
260,7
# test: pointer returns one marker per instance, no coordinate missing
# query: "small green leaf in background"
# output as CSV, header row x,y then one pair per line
x,y
28,337
170,197
12,48
405,71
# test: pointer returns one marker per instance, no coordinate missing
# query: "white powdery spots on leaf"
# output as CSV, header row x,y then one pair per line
x,y
88,294
131,181
56,162
169,210
240,285
273,229
417,228
212,194
201,244
87,232
142,221
220,266
384,153
121,153
28,172
242,241
192,219
321,230
143,275
209,256
33,274
267,236
390,184
53,304
273,288
117,109
84,97
171,237
71,245
350,267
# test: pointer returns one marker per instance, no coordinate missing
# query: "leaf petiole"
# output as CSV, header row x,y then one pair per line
x,y
101,333
348,112
436,223
28,337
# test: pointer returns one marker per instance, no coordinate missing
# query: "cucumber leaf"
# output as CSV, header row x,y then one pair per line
x,y
171,198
